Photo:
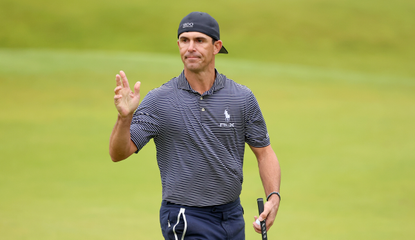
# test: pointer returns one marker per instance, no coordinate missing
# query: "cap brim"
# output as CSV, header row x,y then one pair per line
x,y
223,50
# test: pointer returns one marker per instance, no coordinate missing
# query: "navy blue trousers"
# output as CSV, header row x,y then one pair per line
x,y
223,222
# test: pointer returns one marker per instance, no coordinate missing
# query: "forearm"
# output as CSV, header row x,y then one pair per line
x,y
270,173
120,139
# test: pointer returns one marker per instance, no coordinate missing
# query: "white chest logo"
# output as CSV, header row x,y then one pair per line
x,y
227,116
227,122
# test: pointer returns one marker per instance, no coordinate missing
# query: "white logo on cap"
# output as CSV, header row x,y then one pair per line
x,y
186,25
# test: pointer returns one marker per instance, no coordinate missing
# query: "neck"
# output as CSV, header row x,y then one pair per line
x,y
200,81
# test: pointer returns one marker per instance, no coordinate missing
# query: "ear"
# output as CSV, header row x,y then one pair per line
x,y
217,46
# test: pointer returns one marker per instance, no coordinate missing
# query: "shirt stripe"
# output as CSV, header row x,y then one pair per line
x,y
200,138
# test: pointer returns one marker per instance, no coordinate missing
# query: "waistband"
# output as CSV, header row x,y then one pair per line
x,y
217,208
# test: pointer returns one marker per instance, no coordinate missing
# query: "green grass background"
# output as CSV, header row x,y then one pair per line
x,y
335,81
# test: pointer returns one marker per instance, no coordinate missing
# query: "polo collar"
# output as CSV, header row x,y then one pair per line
x,y
218,84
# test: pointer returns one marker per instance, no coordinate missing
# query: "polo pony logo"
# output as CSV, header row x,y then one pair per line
x,y
227,123
227,116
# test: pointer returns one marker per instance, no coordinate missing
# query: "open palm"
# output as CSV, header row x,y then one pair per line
x,y
125,100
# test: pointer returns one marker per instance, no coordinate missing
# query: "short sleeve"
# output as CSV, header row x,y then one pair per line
x,y
256,134
145,123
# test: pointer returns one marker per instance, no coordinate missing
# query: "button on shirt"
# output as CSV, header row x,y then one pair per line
x,y
200,139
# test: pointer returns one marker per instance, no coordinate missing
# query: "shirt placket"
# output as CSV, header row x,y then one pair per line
x,y
203,108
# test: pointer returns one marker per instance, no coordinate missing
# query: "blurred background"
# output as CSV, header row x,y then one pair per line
x,y
335,80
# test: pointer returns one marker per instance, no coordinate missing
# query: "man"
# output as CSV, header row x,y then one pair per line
x,y
200,122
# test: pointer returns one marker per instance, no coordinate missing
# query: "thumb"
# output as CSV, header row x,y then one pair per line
x,y
137,88
263,216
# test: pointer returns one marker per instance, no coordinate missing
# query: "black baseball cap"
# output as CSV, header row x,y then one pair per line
x,y
201,22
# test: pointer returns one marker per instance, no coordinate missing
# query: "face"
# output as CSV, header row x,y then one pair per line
x,y
197,51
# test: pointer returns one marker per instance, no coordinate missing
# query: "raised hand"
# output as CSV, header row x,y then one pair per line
x,y
125,100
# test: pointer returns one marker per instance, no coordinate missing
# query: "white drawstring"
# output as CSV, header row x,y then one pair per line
x,y
178,220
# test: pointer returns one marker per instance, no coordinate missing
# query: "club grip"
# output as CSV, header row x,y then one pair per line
x,y
260,202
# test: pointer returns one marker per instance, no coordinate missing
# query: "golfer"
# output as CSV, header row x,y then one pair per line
x,y
200,122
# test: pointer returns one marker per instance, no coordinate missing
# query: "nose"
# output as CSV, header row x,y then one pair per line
x,y
192,47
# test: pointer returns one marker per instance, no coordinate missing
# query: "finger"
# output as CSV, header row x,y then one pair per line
x,y
257,230
118,80
117,89
117,99
269,220
124,79
257,227
263,216
137,88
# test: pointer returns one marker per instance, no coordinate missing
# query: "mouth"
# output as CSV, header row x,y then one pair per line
x,y
192,57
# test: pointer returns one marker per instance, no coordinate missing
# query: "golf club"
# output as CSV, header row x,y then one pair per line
x,y
260,202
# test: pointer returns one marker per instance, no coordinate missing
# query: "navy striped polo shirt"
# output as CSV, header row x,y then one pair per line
x,y
200,139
